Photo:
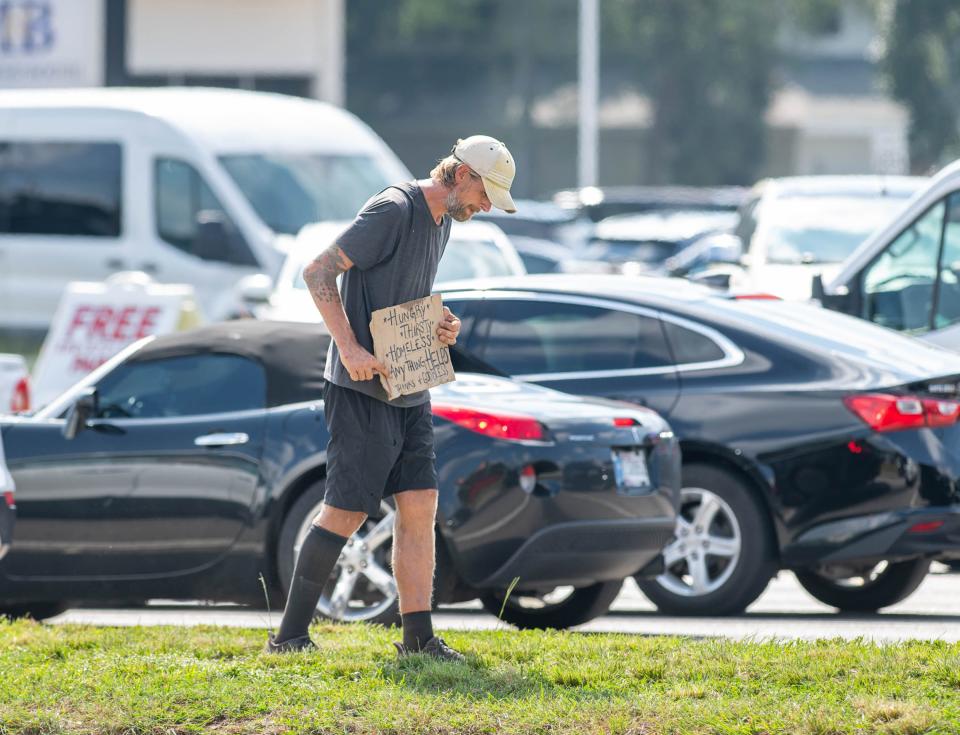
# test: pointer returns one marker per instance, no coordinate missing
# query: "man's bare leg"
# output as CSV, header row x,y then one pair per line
x,y
413,563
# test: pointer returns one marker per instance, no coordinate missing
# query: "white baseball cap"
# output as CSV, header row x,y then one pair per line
x,y
491,159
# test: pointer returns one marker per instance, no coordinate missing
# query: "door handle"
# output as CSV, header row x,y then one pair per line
x,y
149,268
115,264
221,440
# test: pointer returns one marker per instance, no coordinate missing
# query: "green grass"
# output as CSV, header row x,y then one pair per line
x,y
82,679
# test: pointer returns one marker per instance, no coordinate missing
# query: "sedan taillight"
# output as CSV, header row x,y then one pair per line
x,y
499,425
21,396
886,412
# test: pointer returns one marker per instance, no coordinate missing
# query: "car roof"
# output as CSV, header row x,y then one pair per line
x,y
893,358
629,288
226,119
853,185
293,354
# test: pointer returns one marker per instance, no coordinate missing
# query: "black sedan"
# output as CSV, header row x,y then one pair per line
x,y
811,440
191,465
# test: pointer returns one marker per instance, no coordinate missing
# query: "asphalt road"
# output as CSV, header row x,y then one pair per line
x,y
784,611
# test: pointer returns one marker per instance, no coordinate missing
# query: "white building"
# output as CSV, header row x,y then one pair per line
x,y
292,46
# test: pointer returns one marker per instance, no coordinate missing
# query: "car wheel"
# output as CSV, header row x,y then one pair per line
x,y
864,587
361,587
562,607
722,554
35,610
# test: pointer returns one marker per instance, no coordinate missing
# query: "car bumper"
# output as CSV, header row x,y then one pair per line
x,y
894,535
584,552
6,525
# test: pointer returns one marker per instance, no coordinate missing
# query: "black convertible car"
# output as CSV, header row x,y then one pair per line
x,y
811,440
191,464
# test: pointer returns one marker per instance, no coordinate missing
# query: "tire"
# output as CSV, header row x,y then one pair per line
x,y
367,591
36,610
864,589
580,605
724,535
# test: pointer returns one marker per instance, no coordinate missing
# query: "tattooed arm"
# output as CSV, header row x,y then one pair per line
x,y
321,279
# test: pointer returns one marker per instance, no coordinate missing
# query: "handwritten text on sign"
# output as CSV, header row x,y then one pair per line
x,y
405,341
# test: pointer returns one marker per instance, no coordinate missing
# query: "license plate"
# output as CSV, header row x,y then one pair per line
x,y
630,467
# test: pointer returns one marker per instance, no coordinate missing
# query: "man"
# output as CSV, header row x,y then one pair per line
x,y
378,447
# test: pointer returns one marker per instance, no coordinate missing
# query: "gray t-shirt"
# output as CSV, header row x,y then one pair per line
x,y
395,246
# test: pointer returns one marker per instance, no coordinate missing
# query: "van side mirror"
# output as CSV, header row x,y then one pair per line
x,y
841,301
212,239
83,409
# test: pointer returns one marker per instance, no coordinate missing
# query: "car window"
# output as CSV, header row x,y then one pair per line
x,y
897,287
466,311
690,346
57,188
528,337
947,311
191,385
471,259
183,202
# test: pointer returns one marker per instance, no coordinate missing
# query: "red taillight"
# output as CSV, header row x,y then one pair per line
x,y
625,422
885,412
498,425
8,498
925,527
941,413
21,396
756,297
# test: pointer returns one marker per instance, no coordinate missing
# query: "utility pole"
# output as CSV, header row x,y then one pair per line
x,y
588,93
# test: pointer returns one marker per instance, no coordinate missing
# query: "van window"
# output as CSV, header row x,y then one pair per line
x,y
184,204
898,286
947,309
290,190
60,188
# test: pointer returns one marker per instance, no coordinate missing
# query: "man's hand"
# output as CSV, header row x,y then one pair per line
x,y
361,364
448,328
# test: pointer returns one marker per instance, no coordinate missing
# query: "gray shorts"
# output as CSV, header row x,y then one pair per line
x,y
375,450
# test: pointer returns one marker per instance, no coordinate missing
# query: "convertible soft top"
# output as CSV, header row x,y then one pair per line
x,y
293,354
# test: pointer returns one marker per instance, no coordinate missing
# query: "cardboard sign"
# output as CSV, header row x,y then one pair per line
x,y
94,321
405,340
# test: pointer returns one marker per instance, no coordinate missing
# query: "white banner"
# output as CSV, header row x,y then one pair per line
x,y
94,321
51,43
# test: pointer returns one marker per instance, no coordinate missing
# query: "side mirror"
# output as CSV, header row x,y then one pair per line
x,y
842,300
82,410
212,240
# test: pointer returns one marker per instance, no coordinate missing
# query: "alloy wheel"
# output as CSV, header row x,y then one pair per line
x,y
361,586
706,545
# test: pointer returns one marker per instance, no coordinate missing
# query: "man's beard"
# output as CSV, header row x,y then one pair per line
x,y
458,210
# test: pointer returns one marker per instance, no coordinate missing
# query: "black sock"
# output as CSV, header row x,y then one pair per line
x,y
417,629
318,556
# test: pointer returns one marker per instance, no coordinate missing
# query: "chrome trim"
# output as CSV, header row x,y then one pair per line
x,y
222,440
733,355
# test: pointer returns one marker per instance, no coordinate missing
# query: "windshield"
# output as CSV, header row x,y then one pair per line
x,y
290,190
823,229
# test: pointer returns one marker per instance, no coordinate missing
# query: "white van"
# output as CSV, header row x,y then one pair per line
x,y
906,276
191,185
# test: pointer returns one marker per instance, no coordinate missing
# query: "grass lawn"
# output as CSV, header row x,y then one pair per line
x,y
82,679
